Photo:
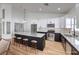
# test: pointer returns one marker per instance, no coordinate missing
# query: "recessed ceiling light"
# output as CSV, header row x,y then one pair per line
x,y
40,9
59,9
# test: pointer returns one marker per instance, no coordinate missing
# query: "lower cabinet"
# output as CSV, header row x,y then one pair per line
x,y
74,51
58,37
63,41
68,48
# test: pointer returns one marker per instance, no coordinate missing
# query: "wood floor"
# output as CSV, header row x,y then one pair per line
x,y
51,48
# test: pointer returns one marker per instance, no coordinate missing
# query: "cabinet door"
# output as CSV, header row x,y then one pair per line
x,y
57,37
77,22
63,42
68,49
74,51
18,27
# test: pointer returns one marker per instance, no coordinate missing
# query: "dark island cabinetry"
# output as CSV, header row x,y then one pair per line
x,y
58,37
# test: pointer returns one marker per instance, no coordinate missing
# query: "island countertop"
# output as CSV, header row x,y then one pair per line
x,y
39,37
31,34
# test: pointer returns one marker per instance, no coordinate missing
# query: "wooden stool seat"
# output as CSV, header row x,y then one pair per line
x,y
34,45
19,40
18,37
25,42
34,41
14,40
25,39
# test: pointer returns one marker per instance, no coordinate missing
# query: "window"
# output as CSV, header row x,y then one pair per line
x,y
19,27
68,23
74,24
8,27
3,23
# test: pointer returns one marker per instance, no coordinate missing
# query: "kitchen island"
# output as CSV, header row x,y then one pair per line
x,y
43,31
39,37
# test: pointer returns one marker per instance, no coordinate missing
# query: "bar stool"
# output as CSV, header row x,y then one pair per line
x,y
19,40
14,40
34,45
25,42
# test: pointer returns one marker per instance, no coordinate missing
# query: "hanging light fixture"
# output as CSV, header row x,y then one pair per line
x,y
24,13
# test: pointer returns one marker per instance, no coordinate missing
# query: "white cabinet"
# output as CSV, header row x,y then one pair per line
x,y
77,22
6,29
18,27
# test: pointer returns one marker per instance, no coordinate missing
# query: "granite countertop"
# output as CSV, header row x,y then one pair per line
x,y
74,41
57,30
31,34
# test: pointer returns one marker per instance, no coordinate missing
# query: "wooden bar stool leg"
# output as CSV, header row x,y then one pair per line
x,y
34,45
25,42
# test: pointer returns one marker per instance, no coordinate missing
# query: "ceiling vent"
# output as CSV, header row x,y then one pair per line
x,y
46,4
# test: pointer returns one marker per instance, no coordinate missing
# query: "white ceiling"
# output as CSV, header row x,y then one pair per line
x,y
51,8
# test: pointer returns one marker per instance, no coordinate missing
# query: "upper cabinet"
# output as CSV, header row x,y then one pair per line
x,y
77,15
77,22
77,18
17,13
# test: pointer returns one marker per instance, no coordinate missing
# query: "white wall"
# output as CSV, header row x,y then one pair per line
x,y
8,17
8,10
14,14
42,19
17,14
74,13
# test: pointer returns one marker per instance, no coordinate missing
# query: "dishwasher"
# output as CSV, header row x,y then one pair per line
x,y
51,35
